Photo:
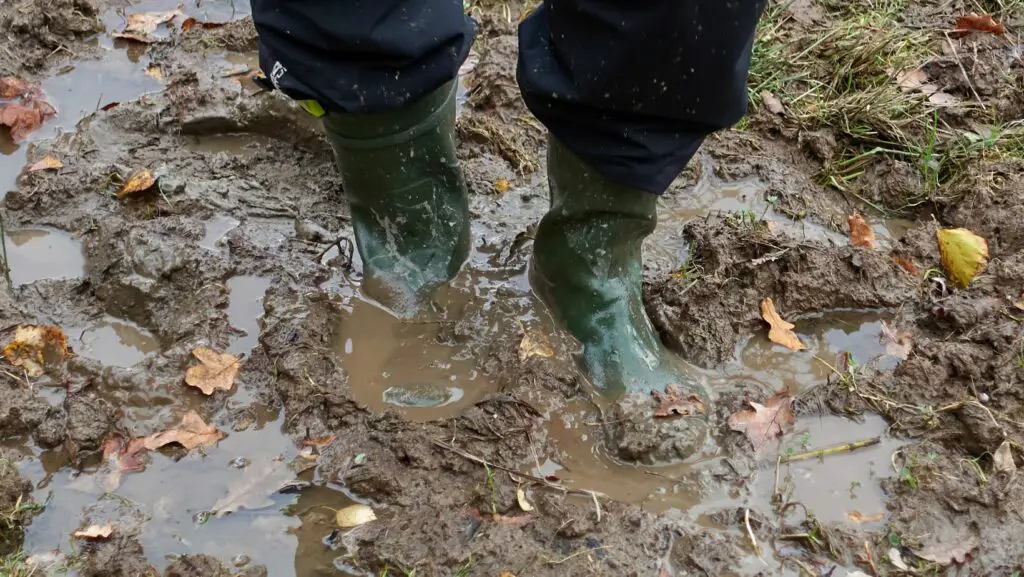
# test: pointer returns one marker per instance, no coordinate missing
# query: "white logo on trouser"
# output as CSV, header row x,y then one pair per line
x,y
276,73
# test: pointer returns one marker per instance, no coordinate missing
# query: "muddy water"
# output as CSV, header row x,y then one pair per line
x,y
113,342
35,254
245,307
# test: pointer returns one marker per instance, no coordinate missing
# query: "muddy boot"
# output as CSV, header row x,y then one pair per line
x,y
410,209
587,268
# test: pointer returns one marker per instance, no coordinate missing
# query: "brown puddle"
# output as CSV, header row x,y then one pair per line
x,y
113,342
231,144
35,254
245,308
216,228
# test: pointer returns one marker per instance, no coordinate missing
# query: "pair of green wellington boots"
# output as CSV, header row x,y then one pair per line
x,y
410,213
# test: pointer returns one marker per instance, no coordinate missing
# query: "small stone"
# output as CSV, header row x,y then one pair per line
x,y
240,560
239,462
983,397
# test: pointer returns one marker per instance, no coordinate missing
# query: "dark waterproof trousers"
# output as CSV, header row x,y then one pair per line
x,y
630,86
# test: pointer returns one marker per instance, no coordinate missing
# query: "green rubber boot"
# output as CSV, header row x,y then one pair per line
x,y
587,268
409,204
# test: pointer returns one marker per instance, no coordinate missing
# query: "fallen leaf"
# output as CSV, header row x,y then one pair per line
x,y
677,401
94,532
942,99
255,487
11,87
46,163
139,181
320,442
915,79
505,574
141,24
781,331
354,516
216,371
766,421
190,22
906,264
975,22
120,457
534,344
858,517
772,103
523,503
110,106
896,558
514,520
947,553
897,343
154,71
32,345
860,231
963,254
1002,459
191,433
501,186
22,119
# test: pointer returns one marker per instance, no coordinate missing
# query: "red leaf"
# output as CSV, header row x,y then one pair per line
x,y
11,87
22,119
975,22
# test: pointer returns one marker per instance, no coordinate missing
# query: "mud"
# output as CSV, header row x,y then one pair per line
x,y
439,424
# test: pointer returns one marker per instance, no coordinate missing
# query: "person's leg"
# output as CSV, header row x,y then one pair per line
x,y
381,73
628,90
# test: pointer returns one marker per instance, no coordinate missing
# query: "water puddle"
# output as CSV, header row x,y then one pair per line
x,y
216,228
113,342
95,84
420,369
245,308
232,144
37,254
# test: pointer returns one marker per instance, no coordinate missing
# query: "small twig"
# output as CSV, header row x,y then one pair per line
x,y
597,505
964,71
3,249
775,488
834,450
750,532
871,558
576,554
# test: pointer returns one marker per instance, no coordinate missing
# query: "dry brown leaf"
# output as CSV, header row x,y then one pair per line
x,y
858,517
975,22
677,401
354,516
121,457
216,371
942,99
860,231
534,344
94,532
33,345
22,119
772,103
947,553
141,24
320,442
140,181
1002,459
781,331
906,264
190,23
46,163
915,79
191,433
766,421
897,343
11,87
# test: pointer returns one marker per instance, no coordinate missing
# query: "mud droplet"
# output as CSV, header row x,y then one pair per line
x,y
422,396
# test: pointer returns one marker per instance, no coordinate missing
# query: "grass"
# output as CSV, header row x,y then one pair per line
x,y
840,74
15,565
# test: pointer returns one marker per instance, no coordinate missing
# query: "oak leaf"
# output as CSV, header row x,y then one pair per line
x,y
191,433
781,332
215,371
765,422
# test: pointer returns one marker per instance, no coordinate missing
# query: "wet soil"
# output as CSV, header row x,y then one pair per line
x,y
440,424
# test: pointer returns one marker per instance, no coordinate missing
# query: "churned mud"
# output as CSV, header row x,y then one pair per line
x,y
468,432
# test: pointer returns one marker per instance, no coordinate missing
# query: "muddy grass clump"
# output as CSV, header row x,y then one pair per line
x,y
16,506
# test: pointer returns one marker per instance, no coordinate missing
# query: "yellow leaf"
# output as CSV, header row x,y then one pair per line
x,y
47,163
354,516
858,517
523,503
94,532
154,71
963,253
781,331
139,181
217,371
31,344
534,345
502,185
